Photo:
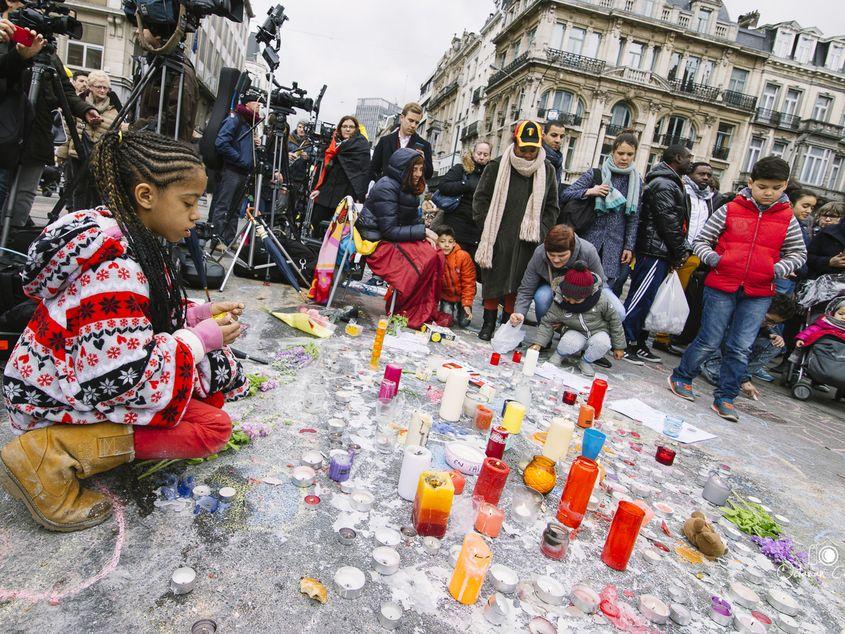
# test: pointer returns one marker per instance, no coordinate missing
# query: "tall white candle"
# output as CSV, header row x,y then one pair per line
x,y
530,363
558,438
452,402
415,460
418,430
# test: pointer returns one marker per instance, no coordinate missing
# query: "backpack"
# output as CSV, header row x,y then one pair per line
x,y
580,213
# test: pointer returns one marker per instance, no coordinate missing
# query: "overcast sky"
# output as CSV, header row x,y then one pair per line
x,y
387,48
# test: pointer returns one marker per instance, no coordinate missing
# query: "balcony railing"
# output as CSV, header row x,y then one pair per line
x,y
739,100
613,129
777,119
470,132
499,75
821,128
721,153
673,139
567,118
578,62
476,95
700,91
441,96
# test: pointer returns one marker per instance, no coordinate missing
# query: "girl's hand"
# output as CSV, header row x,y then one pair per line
x,y
777,341
598,190
313,195
231,331
618,354
468,311
627,256
235,309
517,319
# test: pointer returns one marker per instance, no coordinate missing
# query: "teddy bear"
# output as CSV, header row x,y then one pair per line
x,y
700,534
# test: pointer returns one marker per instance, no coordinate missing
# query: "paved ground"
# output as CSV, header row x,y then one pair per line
x,y
249,558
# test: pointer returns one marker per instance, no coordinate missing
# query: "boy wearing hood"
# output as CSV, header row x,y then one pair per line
x,y
459,278
587,318
747,243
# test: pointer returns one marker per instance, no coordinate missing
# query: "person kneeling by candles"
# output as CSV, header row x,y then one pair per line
x,y
588,320
116,364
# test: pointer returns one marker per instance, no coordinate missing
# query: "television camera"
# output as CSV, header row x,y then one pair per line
x,y
48,18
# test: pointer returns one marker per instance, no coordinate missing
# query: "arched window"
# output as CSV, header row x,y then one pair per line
x,y
620,118
567,105
674,129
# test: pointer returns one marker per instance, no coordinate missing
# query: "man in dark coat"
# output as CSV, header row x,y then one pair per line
x,y
553,133
511,228
826,253
404,136
661,244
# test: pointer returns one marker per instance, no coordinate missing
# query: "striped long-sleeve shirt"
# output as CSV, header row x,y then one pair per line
x,y
793,252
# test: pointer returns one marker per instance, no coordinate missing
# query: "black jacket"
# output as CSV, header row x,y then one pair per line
x,y
664,216
349,173
390,213
387,145
556,159
824,245
38,142
457,182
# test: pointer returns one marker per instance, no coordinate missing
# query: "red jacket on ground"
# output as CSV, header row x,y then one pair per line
x,y
459,278
818,329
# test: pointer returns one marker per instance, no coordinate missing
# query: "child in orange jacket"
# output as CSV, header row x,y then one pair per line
x,y
458,278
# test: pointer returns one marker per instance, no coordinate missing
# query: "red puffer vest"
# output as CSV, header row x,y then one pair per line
x,y
749,247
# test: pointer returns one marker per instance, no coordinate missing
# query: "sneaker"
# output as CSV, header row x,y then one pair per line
x,y
726,410
631,356
647,355
682,389
604,362
764,376
586,368
556,360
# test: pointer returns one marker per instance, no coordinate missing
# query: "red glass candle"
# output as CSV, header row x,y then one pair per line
x,y
596,398
491,481
495,358
623,535
517,356
483,417
496,442
576,492
569,398
665,456
458,481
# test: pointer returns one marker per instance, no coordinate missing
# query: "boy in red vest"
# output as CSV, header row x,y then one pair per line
x,y
747,243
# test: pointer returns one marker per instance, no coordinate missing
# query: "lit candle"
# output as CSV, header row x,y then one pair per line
x,y
489,519
558,438
453,395
585,416
514,414
531,357
517,356
433,503
458,481
415,460
473,562
483,417
491,480
418,430
525,504
378,342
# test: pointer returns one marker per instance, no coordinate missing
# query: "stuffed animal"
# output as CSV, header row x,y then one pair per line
x,y
700,534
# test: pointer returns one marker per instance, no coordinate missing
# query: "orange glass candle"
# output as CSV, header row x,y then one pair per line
x,y
623,535
585,416
540,474
472,566
458,481
576,492
378,342
433,503
483,417
489,519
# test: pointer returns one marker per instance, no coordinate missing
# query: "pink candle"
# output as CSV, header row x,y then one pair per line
x,y
489,519
393,373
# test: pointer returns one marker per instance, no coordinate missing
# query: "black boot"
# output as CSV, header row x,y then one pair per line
x,y
489,325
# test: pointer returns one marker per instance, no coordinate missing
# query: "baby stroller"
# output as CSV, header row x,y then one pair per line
x,y
823,362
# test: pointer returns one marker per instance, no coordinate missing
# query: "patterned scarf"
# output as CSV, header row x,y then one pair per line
x,y
614,201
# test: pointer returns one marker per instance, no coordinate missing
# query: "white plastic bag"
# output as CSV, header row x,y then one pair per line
x,y
507,338
670,310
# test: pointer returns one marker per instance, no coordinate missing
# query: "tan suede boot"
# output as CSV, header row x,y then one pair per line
x,y
41,468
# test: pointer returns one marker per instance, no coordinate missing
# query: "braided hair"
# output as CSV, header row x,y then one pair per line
x,y
120,161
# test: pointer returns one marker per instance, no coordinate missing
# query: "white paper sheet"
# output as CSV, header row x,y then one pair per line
x,y
407,342
653,419
570,380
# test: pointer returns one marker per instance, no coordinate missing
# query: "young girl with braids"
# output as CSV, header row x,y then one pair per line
x,y
115,363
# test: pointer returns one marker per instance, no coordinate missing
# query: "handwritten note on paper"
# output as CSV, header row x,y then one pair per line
x,y
653,419
570,380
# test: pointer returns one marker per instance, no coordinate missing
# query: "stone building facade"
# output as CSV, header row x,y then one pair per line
x,y
676,71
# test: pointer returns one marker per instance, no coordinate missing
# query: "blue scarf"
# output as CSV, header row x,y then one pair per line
x,y
614,201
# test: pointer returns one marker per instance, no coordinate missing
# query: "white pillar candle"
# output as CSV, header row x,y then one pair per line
x,y
452,402
418,429
558,438
530,363
415,460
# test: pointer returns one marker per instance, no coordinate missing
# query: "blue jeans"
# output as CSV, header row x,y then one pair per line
x,y
734,317
762,352
544,296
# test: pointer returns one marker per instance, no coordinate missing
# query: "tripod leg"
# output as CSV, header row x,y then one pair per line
x,y
243,238
161,97
337,277
284,252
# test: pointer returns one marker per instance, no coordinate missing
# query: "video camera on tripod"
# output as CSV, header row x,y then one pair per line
x,y
286,99
48,18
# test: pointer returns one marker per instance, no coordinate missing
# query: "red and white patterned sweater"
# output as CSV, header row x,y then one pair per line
x,y
90,354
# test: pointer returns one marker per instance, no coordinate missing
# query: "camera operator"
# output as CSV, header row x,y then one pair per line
x,y
16,69
236,146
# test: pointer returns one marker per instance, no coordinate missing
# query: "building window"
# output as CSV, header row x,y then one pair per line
x,y
821,110
557,36
755,148
691,69
530,36
620,116
739,79
635,54
770,96
835,170
87,52
653,159
804,49
674,129
655,58
591,46
564,102
834,57
724,137
791,101
674,63
783,44
648,7
515,50
569,152
815,165
779,148
576,40
704,20
707,67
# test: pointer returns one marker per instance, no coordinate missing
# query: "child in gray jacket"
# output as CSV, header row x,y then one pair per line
x,y
588,321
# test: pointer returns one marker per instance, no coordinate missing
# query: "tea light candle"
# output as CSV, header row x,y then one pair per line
x,y
654,609
754,575
788,624
349,582
585,416
336,425
431,544
200,491
505,580
569,398
782,602
664,509
347,486
651,556
387,537
748,624
497,610
390,615
313,459
720,611
743,595
182,580
346,535
227,494
549,590
584,598
362,500
489,519
677,594
303,476
386,560
679,614
640,490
